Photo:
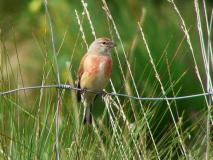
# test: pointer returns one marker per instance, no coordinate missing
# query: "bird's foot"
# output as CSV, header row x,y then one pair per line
x,y
103,93
83,91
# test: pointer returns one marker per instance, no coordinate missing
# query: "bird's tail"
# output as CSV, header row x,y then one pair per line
x,y
88,115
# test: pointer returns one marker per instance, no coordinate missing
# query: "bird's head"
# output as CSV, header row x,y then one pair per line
x,y
101,46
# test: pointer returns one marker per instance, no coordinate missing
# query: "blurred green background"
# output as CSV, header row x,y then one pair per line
x,y
24,30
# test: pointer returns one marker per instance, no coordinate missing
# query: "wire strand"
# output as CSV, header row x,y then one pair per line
x,y
66,86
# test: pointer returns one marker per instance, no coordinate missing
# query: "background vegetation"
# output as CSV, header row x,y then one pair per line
x,y
123,128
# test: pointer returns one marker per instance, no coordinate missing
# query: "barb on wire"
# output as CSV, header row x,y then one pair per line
x,y
66,86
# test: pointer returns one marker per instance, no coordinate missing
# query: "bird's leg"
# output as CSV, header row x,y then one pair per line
x,y
83,91
103,93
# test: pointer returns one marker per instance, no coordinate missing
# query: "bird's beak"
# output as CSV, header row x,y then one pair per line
x,y
112,45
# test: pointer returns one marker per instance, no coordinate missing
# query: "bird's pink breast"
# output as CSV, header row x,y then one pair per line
x,y
99,65
96,72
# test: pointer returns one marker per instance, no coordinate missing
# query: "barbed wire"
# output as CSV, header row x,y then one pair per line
x,y
66,86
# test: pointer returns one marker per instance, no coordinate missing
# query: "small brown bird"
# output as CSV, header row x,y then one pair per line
x,y
94,73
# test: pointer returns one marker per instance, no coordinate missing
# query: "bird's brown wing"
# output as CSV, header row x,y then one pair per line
x,y
79,74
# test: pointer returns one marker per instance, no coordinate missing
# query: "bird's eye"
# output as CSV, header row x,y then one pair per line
x,y
103,42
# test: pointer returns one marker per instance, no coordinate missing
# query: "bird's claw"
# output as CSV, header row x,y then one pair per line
x,y
83,91
103,93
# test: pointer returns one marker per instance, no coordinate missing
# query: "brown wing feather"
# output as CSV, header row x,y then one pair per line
x,y
79,74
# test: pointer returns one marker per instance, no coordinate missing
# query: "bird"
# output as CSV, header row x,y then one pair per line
x,y
94,73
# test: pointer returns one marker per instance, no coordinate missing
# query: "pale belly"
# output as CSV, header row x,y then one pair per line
x,y
95,80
